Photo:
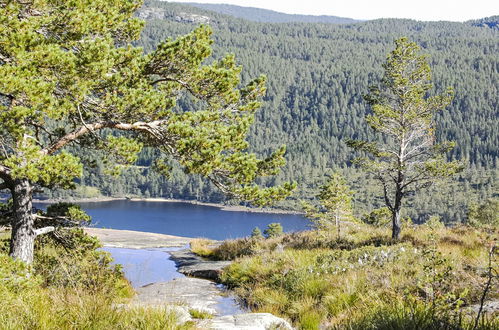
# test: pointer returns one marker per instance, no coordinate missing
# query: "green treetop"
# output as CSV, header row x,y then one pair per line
x,y
68,70
402,112
335,198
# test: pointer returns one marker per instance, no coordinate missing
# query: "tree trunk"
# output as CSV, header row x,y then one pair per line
x,y
396,225
337,217
22,242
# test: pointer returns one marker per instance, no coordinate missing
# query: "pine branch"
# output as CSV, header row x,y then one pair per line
x,y
148,127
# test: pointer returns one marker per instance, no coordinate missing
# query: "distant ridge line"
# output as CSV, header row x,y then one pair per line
x,y
269,16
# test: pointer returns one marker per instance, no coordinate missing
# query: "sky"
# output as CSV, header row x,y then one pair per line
x,y
423,10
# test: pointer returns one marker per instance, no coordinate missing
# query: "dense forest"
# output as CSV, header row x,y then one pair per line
x,y
317,75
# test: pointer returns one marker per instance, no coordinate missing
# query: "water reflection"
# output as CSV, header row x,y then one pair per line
x,y
146,266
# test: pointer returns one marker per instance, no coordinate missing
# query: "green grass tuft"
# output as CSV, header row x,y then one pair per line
x,y
364,279
200,314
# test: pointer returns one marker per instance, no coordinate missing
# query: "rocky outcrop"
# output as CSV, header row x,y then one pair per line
x,y
192,18
135,239
193,292
151,13
182,294
191,264
248,321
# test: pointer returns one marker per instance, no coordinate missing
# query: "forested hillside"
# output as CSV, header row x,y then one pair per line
x,y
269,16
317,75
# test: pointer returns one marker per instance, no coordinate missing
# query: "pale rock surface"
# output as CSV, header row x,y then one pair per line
x,y
135,239
190,264
248,321
193,292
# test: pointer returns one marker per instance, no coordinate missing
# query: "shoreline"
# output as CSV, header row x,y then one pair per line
x,y
223,207
132,239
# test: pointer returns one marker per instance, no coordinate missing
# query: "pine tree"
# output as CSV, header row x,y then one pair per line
x,y
409,159
335,200
69,74
273,230
256,233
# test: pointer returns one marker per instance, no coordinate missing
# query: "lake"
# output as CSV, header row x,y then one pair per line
x,y
185,219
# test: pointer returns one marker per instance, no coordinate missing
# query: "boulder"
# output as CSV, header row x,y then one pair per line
x,y
190,264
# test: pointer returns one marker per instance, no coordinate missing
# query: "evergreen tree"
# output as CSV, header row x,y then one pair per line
x,y
256,233
408,159
335,200
69,74
486,214
273,230
377,217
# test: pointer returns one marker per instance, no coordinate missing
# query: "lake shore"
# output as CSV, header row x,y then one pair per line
x,y
132,239
223,207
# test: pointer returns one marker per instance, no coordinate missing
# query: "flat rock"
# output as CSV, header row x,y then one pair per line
x,y
181,312
192,292
190,264
136,239
489,307
248,321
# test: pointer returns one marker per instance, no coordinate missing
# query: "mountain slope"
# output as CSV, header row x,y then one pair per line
x,y
491,22
269,16
317,74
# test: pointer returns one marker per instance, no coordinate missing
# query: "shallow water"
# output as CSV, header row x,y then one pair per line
x,y
146,266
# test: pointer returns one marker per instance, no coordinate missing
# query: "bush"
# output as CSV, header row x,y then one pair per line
x,y
256,233
434,222
356,281
78,264
75,288
486,214
378,217
202,247
273,230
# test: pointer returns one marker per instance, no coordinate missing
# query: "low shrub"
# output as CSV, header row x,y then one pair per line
x,y
79,264
72,287
355,281
202,247
415,315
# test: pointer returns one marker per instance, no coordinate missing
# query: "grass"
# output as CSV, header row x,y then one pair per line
x,y
68,309
364,280
200,314
202,247
74,288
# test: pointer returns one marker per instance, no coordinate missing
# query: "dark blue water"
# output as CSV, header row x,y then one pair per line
x,y
184,219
